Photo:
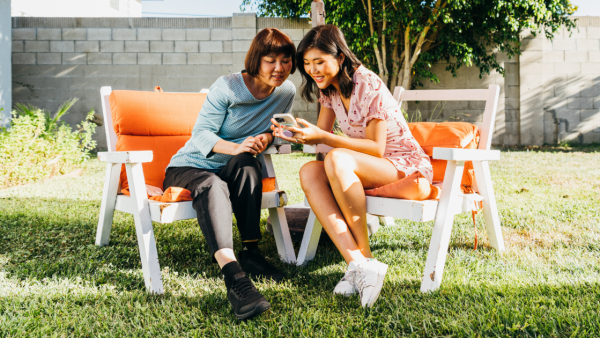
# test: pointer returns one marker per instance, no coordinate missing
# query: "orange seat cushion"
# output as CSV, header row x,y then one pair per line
x,y
161,122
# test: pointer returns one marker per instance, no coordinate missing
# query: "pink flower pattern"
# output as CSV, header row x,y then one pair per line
x,y
372,100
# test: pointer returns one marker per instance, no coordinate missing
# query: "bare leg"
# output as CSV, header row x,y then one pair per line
x,y
349,173
224,256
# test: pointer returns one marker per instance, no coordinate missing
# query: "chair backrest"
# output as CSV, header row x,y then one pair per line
x,y
161,122
490,95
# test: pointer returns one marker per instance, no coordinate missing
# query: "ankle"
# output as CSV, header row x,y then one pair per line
x,y
251,246
229,270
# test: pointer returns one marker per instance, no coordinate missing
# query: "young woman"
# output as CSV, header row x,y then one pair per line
x,y
378,150
218,165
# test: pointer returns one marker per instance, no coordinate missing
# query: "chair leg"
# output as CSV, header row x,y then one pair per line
x,y
387,221
442,228
490,210
109,198
310,240
283,239
143,228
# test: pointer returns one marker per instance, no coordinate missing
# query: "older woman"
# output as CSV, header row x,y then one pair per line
x,y
219,167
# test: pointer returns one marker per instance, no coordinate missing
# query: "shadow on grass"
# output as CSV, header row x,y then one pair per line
x,y
553,148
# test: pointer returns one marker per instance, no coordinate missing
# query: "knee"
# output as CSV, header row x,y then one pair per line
x,y
311,173
338,161
210,185
247,162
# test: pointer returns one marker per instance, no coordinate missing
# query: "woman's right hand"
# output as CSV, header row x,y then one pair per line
x,y
250,145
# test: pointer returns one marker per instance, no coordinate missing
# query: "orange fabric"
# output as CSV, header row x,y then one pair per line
x,y
460,135
157,121
413,187
172,194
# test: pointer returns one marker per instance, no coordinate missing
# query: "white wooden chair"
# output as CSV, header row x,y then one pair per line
x,y
452,200
146,211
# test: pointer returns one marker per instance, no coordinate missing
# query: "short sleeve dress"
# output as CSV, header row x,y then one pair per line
x,y
372,100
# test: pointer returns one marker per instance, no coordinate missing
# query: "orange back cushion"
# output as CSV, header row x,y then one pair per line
x,y
161,122
447,135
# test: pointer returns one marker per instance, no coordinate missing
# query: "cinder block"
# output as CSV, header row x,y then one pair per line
x,y
161,47
49,34
511,103
567,90
294,34
174,59
49,58
74,33
99,58
99,33
511,115
530,57
580,102
87,46
553,56
588,44
593,91
238,67
567,67
576,56
554,79
564,44
112,46
592,67
243,33
149,34
594,56
173,34
554,102
511,91
511,80
530,79
243,20
592,32
17,46
548,68
137,46
37,46
533,68
241,45
62,46
226,69
576,33
74,58
197,34
211,46
149,58
222,58
120,34
186,46
580,79
597,102
124,58
199,58
220,34
227,47
23,33
239,58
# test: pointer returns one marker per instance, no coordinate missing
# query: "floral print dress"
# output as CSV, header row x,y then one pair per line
x,y
372,100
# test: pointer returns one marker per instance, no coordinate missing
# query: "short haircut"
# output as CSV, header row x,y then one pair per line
x,y
330,40
267,41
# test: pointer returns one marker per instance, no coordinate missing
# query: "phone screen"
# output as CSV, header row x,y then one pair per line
x,y
280,120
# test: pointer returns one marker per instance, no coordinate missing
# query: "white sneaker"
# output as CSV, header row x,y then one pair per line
x,y
346,285
368,280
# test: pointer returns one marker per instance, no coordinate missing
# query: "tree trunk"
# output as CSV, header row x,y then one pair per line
x,y
382,69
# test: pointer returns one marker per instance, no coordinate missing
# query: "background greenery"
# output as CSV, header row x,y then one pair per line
x,y
54,282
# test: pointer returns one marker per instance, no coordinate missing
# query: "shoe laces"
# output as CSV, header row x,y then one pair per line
x,y
363,278
349,275
243,287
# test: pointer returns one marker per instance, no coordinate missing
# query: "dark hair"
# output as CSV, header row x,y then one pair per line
x,y
330,40
267,41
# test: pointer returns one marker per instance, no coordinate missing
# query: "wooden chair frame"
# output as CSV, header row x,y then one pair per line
x,y
452,200
146,211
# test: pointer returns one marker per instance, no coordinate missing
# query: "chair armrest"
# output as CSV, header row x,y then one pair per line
x,y
125,156
278,149
316,148
453,154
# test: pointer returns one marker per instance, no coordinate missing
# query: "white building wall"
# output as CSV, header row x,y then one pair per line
x,y
5,62
77,8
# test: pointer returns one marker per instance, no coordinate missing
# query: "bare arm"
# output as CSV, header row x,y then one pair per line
x,y
253,145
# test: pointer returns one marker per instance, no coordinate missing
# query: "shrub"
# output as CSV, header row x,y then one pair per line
x,y
37,146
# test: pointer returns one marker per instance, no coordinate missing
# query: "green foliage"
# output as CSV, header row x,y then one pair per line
x,y
458,32
38,146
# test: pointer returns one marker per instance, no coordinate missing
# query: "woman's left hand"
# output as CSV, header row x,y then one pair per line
x,y
310,134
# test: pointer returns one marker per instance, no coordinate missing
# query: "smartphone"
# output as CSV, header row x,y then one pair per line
x,y
286,120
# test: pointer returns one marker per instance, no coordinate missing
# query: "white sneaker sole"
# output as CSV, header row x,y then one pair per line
x,y
378,286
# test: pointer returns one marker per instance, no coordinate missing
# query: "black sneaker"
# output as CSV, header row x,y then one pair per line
x,y
253,262
245,300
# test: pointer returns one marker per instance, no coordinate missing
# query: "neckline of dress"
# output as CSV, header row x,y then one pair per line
x,y
241,78
352,95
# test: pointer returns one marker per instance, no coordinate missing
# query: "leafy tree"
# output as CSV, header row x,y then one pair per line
x,y
401,39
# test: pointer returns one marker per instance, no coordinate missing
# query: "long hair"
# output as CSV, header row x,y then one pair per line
x,y
330,40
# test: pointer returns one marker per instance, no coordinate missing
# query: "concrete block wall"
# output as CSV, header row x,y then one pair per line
x,y
55,59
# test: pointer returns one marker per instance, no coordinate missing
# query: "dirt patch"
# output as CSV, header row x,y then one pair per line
x,y
528,239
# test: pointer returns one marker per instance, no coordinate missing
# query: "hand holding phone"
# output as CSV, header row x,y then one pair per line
x,y
286,120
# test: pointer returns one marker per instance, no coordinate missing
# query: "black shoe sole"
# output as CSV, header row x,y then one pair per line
x,y
258,309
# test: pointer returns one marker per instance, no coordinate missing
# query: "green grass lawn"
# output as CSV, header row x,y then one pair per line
x,y
55,282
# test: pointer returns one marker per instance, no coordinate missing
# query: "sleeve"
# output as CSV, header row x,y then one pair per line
x,y
325,101
372,93
211,117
